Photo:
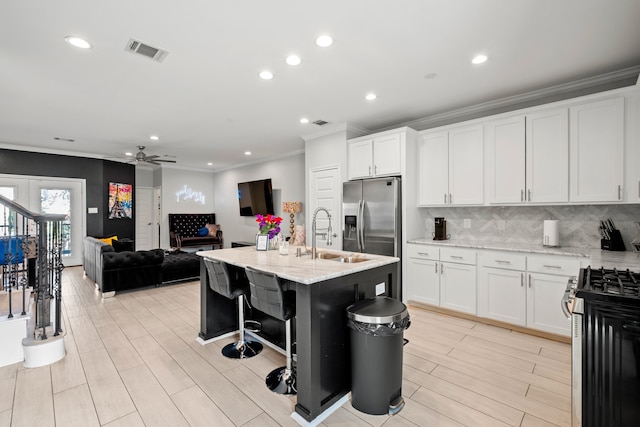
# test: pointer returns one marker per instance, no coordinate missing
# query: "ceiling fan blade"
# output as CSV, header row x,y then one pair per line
x,y
152,162
152,157
164,161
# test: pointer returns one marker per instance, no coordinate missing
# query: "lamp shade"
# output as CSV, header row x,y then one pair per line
x,y
292,207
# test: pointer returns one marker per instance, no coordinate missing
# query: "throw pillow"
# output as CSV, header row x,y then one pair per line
x,y
203,231
212,229
108,240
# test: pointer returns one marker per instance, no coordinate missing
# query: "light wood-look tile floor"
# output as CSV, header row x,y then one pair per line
x,y
133,361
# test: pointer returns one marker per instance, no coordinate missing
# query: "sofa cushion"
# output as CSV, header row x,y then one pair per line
x,y
212,229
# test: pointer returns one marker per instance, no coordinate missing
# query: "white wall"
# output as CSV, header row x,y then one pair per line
x,y
175,180
288,182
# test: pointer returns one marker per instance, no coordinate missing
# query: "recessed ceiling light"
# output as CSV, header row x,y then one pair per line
x,y
209,164
128,154
324,41
266,75
370,96
154,137
78,42
293,60
304,120
247,153
479,59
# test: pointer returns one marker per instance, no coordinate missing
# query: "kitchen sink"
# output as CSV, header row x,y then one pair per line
x,y
327,255
340,258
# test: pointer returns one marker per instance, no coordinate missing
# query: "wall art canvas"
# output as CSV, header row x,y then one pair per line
x,y
120,200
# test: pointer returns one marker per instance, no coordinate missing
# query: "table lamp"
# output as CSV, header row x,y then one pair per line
x,y
291,208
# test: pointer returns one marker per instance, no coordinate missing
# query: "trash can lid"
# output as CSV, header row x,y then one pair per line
x,y
379,310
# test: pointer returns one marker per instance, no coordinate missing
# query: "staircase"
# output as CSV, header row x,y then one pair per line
x,y
30,295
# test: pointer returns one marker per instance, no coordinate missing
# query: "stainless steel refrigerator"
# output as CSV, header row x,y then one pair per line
x,y
371,220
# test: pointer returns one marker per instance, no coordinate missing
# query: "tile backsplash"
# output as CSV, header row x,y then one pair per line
x,y
523,224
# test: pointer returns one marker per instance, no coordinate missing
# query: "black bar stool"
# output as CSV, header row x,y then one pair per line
x,y
268,296
220,282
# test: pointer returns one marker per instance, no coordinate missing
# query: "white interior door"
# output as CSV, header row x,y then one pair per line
x,y
145,224
325,190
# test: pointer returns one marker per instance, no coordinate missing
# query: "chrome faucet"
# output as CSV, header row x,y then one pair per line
x,y
313,232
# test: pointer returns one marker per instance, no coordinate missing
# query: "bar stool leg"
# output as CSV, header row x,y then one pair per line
x,y
283,380
243,348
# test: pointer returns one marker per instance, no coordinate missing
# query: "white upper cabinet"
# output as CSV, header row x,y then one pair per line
x,y
450,167
528,158
375,156
597,151
433,169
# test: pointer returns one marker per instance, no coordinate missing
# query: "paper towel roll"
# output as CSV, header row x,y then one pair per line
x,y
550,233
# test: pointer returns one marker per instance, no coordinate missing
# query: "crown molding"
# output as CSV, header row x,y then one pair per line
x,y
569,89
351,130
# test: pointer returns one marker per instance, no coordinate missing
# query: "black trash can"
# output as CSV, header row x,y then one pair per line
x,y
377,326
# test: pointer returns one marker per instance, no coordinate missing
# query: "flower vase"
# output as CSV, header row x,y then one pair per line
x,y
274,242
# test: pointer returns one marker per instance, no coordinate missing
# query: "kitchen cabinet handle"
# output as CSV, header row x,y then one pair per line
x,y
441,268
521,280
456,257
638,188
529,193
500,261
449,198
369,170
619,192
375,169
552,266
522,195
445,198
529,280
423,253
436,264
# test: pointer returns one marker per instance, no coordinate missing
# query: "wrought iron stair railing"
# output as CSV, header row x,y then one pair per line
x,y
31,263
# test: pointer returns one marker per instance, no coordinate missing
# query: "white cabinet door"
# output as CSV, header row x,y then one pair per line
x,y
466,167
596,145
360,159
548,156
458,287
502,295
387,155
506,160
433,169
423,281
544,292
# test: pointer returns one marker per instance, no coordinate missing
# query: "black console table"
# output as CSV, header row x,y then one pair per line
x,y
242,244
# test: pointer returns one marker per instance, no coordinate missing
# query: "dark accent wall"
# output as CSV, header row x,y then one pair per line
x,y
97,173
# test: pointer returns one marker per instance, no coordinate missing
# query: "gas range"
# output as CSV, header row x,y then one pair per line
x,y
604,284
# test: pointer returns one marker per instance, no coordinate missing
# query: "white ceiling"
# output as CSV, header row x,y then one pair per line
x,y
207,104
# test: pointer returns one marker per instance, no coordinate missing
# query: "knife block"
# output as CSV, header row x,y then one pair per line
x,y
615,243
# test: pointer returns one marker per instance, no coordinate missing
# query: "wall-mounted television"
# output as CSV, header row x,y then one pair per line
x,y
255,197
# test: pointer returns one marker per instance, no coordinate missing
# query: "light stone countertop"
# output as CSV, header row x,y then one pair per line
x,y
597,257
298,269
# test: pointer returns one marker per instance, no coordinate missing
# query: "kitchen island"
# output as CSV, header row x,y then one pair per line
x,y
324,289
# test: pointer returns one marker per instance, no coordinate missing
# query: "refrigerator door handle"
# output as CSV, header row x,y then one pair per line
x,y
361,226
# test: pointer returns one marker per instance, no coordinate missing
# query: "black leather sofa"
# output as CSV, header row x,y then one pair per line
x,y
117,271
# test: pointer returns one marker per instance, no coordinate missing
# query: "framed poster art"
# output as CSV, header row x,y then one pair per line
x,y
262,242
120,200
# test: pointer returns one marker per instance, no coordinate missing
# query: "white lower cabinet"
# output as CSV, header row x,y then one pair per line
x,y
424,281
544,292
515,288
502,295
458,287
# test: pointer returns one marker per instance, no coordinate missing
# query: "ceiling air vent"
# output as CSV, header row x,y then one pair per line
x,y
136,46
320,122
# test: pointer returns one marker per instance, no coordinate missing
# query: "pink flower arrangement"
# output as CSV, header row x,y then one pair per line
x,y
269,224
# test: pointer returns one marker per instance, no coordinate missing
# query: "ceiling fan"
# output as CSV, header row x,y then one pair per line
x,y
154,159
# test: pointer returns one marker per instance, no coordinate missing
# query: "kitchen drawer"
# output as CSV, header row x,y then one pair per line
x,y
559,265
504,260
458,255
423,251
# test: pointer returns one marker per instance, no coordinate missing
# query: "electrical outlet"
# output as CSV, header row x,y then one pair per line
x,y
502,224
467,223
